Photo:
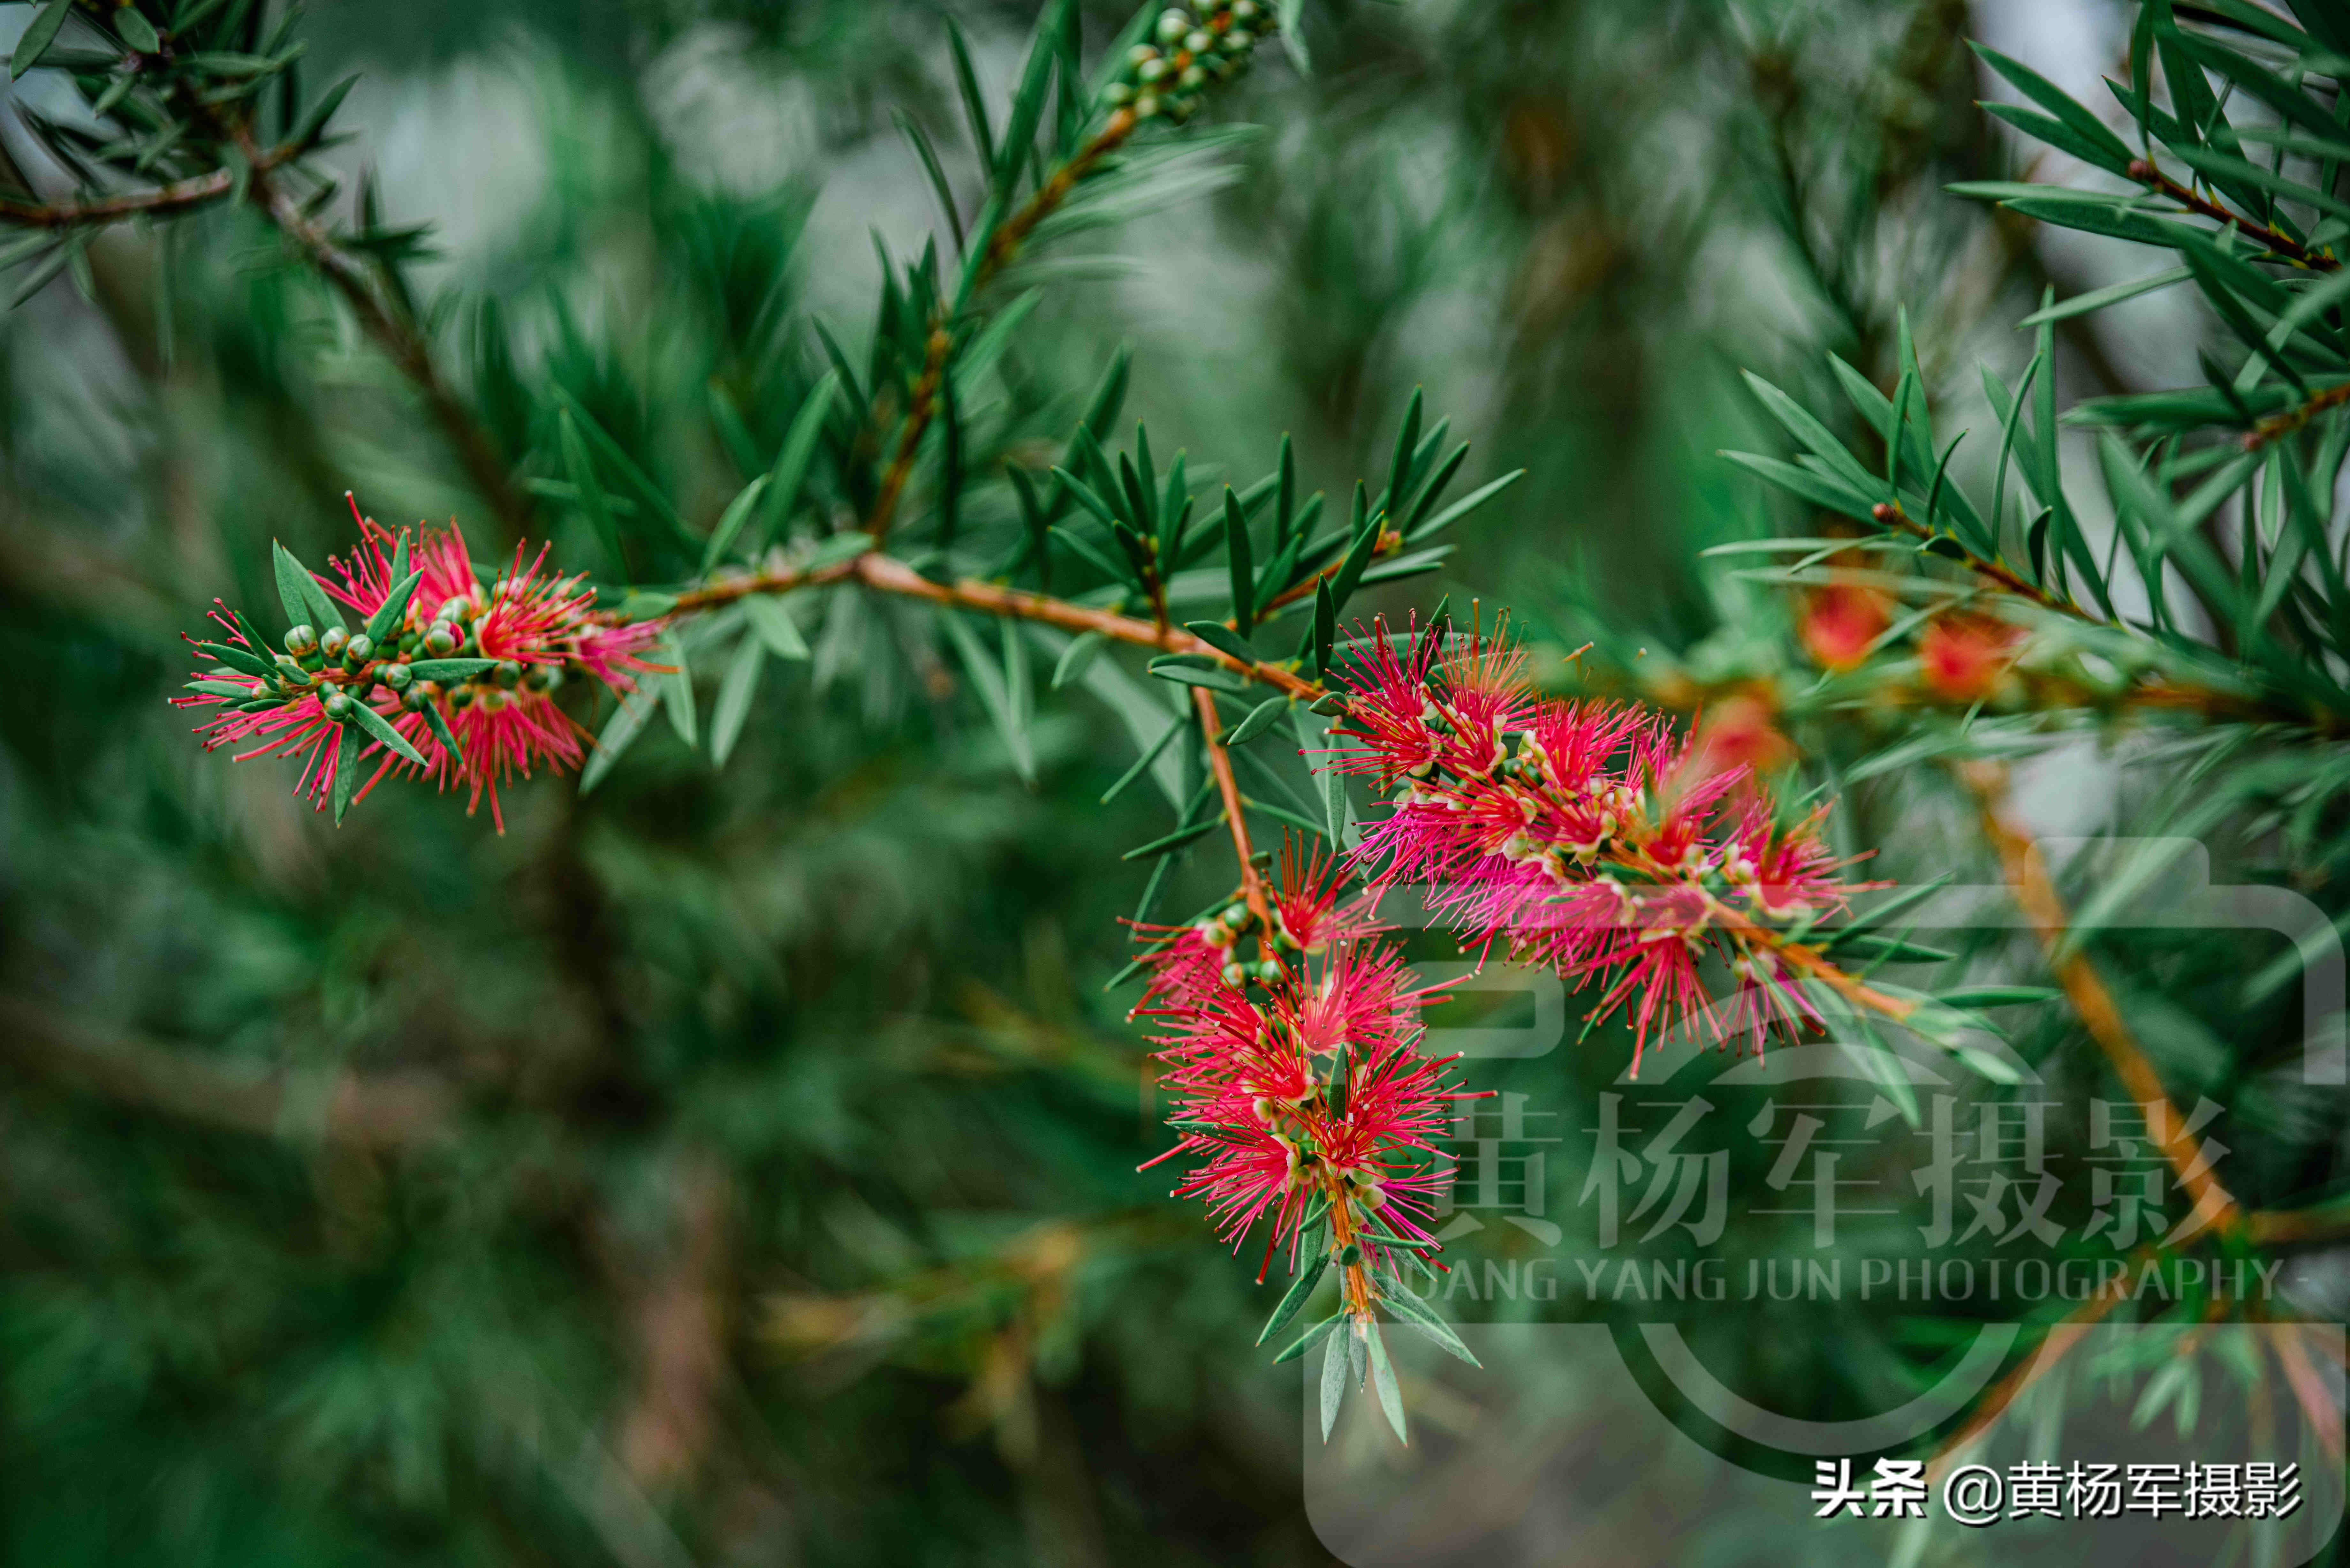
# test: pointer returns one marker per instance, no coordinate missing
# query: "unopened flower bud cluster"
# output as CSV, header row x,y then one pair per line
x,y
1187,51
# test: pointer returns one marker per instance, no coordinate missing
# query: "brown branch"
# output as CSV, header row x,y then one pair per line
x,y
2092,1001
177,196
1002,246
393,332
1890,514
376,1111
2166,693
2282,244
1203,702
888,574
2061,1339
2292,419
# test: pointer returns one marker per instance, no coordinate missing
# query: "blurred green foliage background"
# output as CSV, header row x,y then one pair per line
x,y
739,1166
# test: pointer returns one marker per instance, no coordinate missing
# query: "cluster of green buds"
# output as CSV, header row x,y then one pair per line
x,y
1167,75
1224,931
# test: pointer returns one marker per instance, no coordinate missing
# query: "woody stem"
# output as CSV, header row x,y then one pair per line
x,y
1221,765
922,405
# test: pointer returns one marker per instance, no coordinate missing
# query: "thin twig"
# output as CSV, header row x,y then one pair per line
x,y
399,337
2093,1003
1890,514
888,574
1002,246
177,196
2061,1339
2282,425
1203,702
2281,244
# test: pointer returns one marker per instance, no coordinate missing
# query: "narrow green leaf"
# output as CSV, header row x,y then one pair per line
x,y
773,625
1310,1338
1082,651
305,601
731,521
31,45
2110,152
313,124
1141,764
1215,678
619,732
1295,1296
346,770
240,659
449,669
790,472
1462,507
988,679
1333,1377
677,692
1383,1381
1223,638
582,470
448,739
1169,843
375,725
1325,625
735,689
1998,995
1414,1312
1407,443
974,107
384,624
1260,719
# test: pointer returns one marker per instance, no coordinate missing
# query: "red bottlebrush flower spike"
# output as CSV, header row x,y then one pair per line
x,y
1842,622
1966,658
445,678
1303,1099
1603,847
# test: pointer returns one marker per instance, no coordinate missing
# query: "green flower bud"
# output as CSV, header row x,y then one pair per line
x,y
1172,25
1239,41
461,697
544,677
1245,11
1193,79
456,608
442,640
508,674
1198,43
301,639
338,705
1152,70
418,698
1146,106
334,642
398,676
360,650
1141,53
1349,1256
1117,95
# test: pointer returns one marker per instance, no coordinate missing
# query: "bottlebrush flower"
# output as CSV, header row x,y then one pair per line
x,y
1841,623
1301,1097
1965,658
1742,730
1603,845
445,678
